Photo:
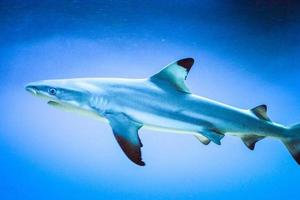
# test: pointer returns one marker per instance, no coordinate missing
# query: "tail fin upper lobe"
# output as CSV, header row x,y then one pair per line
x,y
293,142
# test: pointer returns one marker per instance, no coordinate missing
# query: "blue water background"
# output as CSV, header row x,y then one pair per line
x,y
247,53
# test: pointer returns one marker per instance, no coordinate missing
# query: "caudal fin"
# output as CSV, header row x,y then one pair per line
x,y
293,142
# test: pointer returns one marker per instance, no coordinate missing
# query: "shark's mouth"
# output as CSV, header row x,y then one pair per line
x,y
62,105
52,103
58,105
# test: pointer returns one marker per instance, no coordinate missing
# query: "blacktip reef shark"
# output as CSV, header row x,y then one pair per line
x,y
162,102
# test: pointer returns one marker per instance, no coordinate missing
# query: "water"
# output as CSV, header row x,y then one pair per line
x,y
246,55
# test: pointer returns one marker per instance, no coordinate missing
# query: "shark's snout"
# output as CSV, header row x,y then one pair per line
x,y
32,89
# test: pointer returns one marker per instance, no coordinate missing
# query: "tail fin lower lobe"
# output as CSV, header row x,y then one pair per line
x,y
293,142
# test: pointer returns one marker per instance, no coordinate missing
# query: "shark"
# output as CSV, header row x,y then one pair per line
x,y
162,102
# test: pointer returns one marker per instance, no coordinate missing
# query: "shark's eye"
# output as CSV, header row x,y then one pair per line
x,y
52,91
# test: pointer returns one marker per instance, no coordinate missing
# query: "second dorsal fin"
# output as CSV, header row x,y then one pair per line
x,y
261,112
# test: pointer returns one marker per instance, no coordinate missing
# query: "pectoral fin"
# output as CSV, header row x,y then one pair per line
x,y
126,133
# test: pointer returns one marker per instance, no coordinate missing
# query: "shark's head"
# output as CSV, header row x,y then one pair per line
x,y
66,93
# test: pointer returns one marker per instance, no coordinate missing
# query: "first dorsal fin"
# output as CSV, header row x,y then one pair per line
x,y
175,74
261,112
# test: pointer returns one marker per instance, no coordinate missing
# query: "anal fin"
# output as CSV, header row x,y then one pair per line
x,y
251,140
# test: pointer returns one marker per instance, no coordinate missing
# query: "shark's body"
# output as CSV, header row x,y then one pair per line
x,y
164,103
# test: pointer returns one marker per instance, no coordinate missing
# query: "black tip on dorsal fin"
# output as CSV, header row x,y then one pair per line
x,y
263,107
186,63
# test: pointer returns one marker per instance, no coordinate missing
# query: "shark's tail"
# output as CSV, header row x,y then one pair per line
x,y
293,142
